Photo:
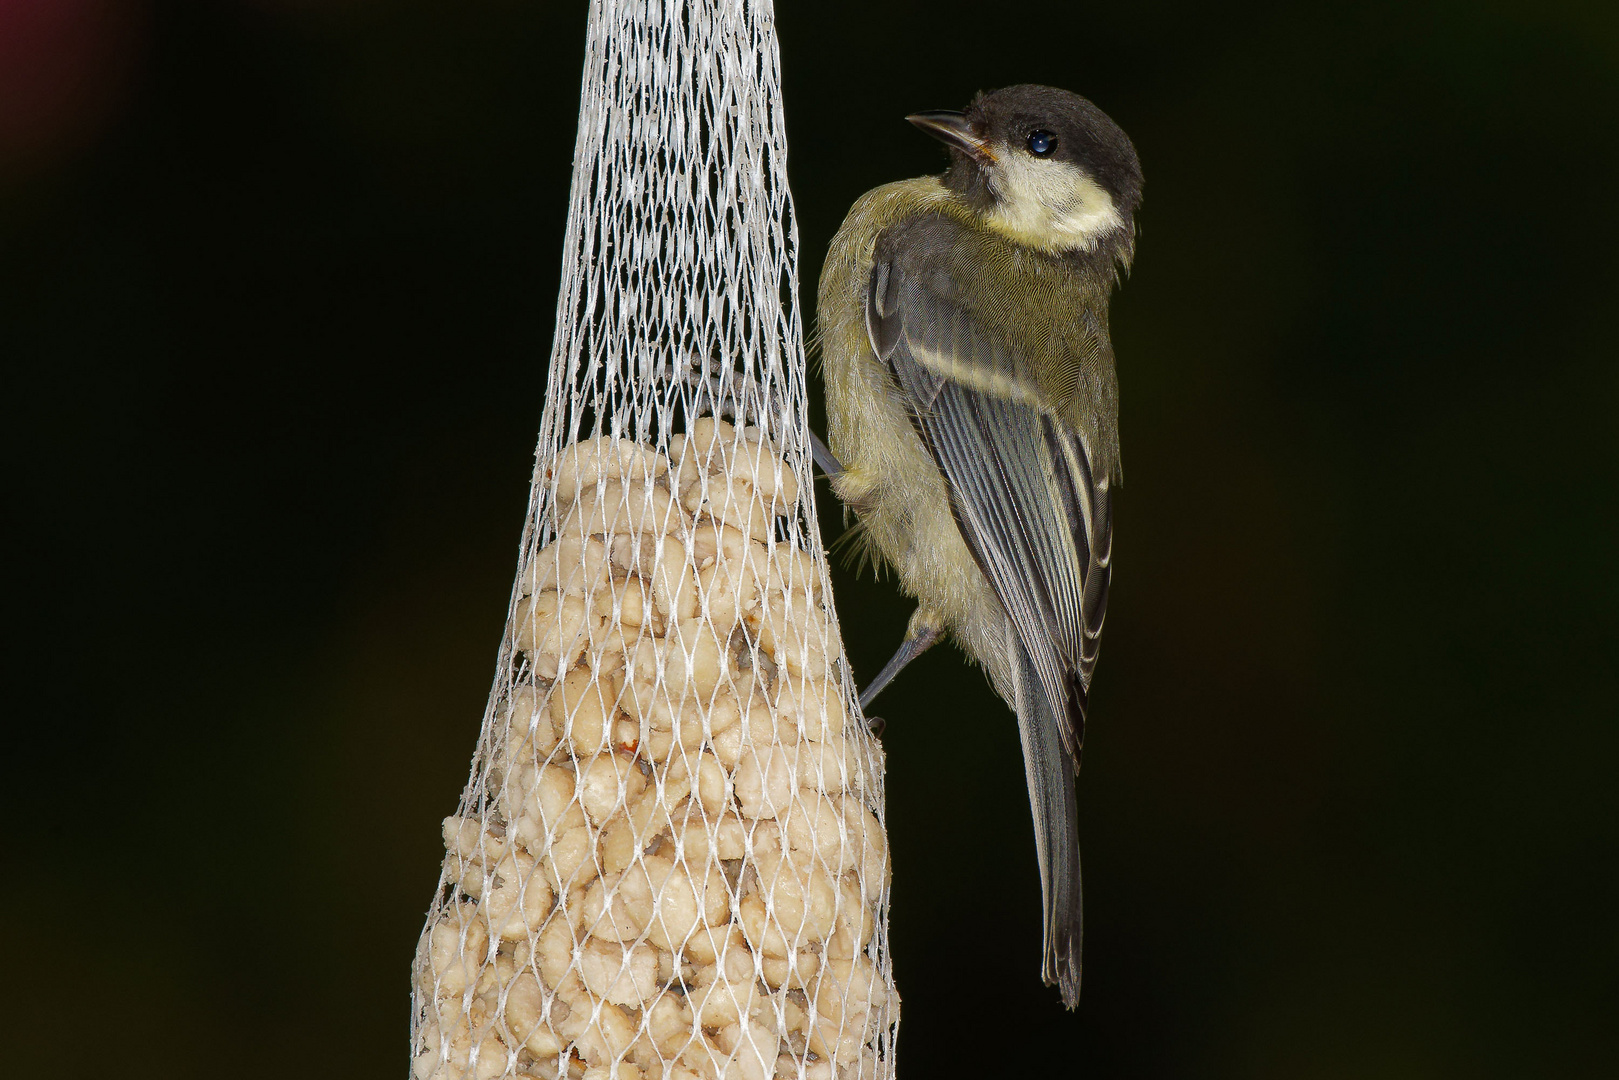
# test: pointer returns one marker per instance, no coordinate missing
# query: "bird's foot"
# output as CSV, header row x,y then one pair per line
x,y
926,628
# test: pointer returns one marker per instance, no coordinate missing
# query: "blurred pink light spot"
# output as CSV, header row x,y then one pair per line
x,y
63,64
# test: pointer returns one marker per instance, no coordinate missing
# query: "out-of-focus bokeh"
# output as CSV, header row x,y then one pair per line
x,y
277,282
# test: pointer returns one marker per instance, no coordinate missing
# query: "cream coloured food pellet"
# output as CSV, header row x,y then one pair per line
x,y
487,1055
573,909
792,1016
584,464
632,830
528,717
672,780
666,967
604,1036
721,998
791,570
814,706
756,462
535,831
814,829
622,1070
582,711
712,787
803,900
621,973
750,1050
553,629
490,980
692,843
626,602
846,993
798,635
627,735
620,507
866,833
553,953
793,972
547,793
614,912
854,924
576,565
656,746
570,858
610,649
731,502
726,592
706,442
542,803
525,1012
689,661
722,543
677,901
516,899
466,838
763,933
766,781
607,782
685,721
730,837
696,1061
757,729
709,943
661,562
457,946
670,1024
829,766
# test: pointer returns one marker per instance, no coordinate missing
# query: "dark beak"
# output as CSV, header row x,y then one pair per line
x,y
952,129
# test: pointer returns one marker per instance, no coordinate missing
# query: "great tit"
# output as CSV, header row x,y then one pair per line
x,y
972,412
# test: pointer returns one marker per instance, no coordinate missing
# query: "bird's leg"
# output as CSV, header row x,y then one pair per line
x,y
854,487
829,464
926,628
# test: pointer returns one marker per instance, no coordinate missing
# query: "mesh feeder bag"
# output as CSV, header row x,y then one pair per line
x,y
669,860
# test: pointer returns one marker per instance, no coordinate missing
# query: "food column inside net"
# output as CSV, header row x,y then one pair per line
x,y
670,865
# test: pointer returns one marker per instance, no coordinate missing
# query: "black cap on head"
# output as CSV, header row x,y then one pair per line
x,y
1052,123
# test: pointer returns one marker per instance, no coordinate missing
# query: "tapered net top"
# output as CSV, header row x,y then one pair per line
x,y
680,275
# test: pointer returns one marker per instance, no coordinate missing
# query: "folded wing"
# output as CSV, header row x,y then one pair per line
x,y
1029,506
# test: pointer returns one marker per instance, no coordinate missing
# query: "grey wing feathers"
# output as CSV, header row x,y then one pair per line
x,y
1036,517
1029,506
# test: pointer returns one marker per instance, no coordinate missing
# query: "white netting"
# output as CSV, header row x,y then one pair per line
x,y
669,859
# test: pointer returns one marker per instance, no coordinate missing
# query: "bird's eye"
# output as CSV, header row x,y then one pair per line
x,y
1042,143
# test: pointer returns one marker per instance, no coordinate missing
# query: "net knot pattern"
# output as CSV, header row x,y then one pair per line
x,y
669,859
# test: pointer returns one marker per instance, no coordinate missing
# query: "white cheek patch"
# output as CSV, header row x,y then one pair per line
x,y
1049,205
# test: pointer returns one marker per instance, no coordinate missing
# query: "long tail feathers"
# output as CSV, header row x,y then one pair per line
x,y
1050,772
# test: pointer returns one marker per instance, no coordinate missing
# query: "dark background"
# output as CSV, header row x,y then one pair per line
x,y
277,284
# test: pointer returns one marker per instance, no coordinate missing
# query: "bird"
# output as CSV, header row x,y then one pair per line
x,y
972,422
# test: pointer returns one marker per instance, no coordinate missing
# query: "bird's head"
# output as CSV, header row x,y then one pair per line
x,y
1045,168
